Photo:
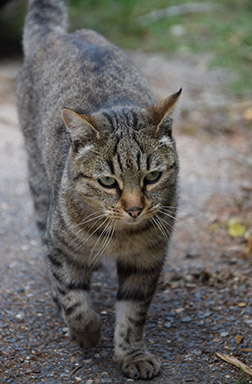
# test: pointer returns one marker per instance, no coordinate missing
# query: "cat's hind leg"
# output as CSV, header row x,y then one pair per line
x,y
71,284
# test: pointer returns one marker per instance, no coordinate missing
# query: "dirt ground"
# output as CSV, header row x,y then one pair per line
x,y
203,304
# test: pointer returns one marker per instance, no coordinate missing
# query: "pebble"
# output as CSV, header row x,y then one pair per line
x,y
197,352
20,316
186,319
168,324
204,315
224,334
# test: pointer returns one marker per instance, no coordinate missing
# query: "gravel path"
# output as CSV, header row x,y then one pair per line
x,y
203,303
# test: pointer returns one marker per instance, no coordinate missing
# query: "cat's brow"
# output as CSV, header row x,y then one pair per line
x,y
139,160
109,118
137,141
111,166
148,161
112,119
119,162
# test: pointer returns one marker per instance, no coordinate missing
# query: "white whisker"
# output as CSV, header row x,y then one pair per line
x,y
100,236
106,240
176,219
95,230
88,219
156,221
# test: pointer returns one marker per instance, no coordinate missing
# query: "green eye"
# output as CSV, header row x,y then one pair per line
x,y
107,182
152,177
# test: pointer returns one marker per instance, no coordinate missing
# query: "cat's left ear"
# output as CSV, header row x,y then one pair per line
x,y
161,114
81,128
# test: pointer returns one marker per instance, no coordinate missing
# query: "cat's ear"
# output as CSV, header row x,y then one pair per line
x,y
81,128
161,114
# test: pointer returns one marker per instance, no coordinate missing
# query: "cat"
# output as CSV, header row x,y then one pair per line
x,y
103,171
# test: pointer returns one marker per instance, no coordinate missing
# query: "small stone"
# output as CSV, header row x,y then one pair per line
x,y
188,357
179,310
20,316
189,278
197,352
167,324
178,30
88,361
186,319
224,334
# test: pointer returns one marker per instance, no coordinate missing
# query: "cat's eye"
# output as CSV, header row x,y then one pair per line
x,y
152,177
107,182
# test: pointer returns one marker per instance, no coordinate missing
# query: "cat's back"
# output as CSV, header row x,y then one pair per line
x,y
83,70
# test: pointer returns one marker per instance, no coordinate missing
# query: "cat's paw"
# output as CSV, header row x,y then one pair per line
x,y
144,366
87,335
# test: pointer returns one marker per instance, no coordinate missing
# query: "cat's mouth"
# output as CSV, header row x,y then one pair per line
x,y
133,217
130,222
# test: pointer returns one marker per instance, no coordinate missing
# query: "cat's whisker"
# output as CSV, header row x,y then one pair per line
x,y
165,221
186,200
178,209
160,227
107,239
99,238
94,223
88,219
176,219
96,229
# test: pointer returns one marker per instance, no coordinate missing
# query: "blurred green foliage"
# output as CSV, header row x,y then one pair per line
x,y
225,31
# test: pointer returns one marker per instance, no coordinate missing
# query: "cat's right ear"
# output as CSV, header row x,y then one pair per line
x,y
161,114
81,128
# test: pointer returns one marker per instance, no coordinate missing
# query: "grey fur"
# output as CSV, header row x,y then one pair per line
x,y
87,113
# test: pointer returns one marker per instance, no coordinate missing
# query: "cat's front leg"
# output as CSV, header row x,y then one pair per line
x,y
71,283
136,288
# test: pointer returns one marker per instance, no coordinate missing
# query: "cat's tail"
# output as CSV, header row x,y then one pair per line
x,y
43,17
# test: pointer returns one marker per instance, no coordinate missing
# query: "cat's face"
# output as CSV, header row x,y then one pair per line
x,y
123,163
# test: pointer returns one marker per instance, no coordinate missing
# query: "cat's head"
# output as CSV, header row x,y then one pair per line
x,y
123,161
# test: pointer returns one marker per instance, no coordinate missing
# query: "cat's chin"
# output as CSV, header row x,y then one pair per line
x,y
132,223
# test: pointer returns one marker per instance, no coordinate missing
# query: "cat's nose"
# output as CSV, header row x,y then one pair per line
x,y
134,211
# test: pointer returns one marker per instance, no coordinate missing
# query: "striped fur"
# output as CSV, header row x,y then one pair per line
x,y
89,118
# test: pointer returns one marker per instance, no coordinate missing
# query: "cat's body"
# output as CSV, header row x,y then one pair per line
x,y
103,178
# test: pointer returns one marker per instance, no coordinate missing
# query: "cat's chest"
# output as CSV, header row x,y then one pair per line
x,y
130,243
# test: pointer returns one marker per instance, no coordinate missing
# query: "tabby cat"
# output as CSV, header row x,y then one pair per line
x,y
102,171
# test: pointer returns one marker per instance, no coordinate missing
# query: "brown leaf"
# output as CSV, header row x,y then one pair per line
x,y
234,361
248,114
249,248
239,339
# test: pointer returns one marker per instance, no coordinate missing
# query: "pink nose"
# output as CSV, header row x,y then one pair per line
x,y
134,211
